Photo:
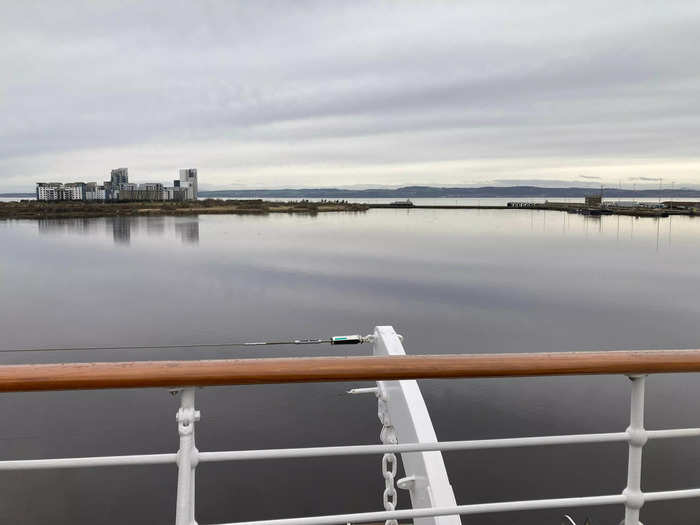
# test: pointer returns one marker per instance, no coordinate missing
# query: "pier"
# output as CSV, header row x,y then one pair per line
x,y
664,209
436,207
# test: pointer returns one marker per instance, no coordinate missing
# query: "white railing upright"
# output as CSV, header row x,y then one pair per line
x,y
634,498
187,459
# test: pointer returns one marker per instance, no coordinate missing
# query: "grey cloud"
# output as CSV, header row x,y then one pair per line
x,y
274,84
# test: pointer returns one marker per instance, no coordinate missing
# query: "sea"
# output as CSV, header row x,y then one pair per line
x,y
449,281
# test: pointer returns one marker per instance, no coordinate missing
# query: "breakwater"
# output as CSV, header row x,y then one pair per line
x,y
436,207
580,208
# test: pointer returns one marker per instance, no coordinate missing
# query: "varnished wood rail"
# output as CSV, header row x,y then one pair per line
x,y
142,374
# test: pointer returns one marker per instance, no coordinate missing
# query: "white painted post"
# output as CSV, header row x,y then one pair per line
x,y
186,458
637,439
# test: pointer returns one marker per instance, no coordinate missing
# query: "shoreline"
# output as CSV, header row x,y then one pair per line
x,y
36,210
29,210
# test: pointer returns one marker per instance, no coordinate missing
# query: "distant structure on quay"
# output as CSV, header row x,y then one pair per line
x,y
118,188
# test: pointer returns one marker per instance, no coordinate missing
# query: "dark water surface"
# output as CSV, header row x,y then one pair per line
x,y
464,281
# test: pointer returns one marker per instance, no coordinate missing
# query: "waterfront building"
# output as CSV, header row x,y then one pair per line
x,y
118,188
188,179
150,191
175,192
57,191
48,191
74,191
93,192
119,176
90,191
151,186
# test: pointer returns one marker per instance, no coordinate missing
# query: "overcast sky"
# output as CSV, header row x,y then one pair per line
x,y
270,94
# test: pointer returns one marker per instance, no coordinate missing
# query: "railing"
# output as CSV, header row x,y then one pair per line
x,y
407,429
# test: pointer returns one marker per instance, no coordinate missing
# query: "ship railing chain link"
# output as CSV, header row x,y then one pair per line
x,y
389,462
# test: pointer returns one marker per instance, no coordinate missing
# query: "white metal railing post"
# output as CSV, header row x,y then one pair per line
x,y
634,498
187,458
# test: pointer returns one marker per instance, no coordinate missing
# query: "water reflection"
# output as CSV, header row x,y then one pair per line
x,y
78,225
450,281
657,230
123,229
188,231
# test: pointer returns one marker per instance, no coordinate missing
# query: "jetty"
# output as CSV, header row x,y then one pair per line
x,y
437,207
643,209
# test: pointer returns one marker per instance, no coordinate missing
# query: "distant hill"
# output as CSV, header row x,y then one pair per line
x,y
437,192
17,195
432,192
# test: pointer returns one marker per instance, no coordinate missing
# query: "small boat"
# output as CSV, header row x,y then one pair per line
x,y
402,204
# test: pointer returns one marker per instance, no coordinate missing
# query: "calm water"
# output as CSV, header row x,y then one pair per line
x,y
463,281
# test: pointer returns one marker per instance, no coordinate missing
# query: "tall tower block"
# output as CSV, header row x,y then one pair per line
x,y
119,176
189,176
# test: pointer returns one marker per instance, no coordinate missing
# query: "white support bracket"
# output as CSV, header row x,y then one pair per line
x,y
425,474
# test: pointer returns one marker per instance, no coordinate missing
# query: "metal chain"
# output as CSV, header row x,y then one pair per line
x,y
389,463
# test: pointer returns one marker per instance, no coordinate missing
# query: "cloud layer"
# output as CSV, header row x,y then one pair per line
x,y
266,94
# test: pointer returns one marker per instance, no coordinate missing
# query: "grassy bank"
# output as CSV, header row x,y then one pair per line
x,y
73,209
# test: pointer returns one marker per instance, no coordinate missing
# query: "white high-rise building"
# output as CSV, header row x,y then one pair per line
x,y
57,191
189,176
119,188
74,191
48,191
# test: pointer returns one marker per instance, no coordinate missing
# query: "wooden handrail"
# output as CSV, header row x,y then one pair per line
x,y
141,374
